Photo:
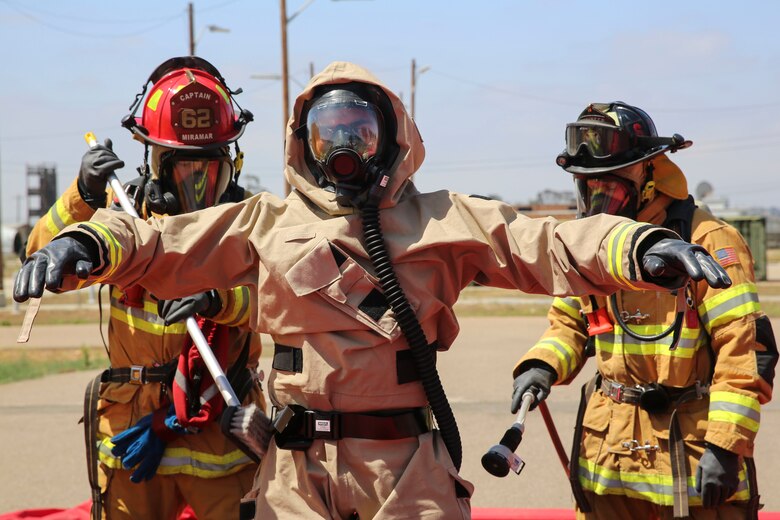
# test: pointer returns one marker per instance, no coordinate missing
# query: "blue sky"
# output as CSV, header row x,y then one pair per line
x,y
505,77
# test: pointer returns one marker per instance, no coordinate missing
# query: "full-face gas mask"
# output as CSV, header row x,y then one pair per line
x,y
188,181
346,136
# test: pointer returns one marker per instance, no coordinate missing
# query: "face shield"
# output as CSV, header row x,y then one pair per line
x,y
343,124
196,182
608,194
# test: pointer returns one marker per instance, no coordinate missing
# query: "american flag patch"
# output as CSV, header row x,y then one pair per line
x,y
726,256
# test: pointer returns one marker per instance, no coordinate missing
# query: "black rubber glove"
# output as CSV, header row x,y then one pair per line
x,y
206,304
717,475
96,165
537,377
63,256
670,262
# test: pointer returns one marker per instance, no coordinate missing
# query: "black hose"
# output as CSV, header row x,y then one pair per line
x,y
424,358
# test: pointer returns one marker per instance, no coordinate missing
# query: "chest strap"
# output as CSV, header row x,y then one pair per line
x,y
290,359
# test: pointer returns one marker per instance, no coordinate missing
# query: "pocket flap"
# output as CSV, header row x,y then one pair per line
x,y
314,271
598,413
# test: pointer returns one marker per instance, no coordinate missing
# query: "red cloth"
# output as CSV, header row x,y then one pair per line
x,y
80,512
191,365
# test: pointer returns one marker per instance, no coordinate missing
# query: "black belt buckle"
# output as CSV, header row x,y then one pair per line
x,y
293,435
654,398
323,425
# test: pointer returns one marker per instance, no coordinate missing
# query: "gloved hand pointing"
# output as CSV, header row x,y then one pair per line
x,y
670,262
96,165
538,377
717,475
206,304
46,268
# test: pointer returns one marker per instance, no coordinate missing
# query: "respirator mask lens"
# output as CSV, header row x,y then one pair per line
x,y
352,125
608,194
198,182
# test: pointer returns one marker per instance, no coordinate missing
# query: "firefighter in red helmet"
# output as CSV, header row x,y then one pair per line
x,y
188,121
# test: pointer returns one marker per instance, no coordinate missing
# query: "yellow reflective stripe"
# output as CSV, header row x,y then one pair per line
x,y
154,99
568,306
617,342
224,95
565,354
114,249
615,246
648,486
729,304
240,299
185,461
734,408
58,217
125,315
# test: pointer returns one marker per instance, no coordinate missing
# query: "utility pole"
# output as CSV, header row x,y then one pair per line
x,y
414,80
285,80
191,13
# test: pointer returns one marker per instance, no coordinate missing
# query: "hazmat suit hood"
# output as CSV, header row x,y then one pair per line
x,y
407,161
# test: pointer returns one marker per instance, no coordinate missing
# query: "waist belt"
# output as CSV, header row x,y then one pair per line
x,y
139,374
296,427
652,397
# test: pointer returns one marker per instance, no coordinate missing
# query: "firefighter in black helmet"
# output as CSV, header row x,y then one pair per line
x,y
670,427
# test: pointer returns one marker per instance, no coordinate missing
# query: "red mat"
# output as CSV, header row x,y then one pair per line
x,y
81,512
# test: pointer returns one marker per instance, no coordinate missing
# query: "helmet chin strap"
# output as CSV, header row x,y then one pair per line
x,y
648,189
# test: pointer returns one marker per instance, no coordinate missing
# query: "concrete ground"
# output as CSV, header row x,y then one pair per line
x,y
42,460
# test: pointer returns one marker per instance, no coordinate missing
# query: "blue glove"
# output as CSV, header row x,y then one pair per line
x,y
142,446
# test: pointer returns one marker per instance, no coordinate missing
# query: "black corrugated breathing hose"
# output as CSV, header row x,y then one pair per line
x,y
424,356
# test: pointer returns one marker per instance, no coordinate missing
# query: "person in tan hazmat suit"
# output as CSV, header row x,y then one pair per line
x,y
673,413
190,169
356,309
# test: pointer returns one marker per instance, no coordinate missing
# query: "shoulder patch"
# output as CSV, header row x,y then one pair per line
x,y
726,256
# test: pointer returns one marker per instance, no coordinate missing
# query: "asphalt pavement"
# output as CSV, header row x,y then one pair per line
x,y
42,460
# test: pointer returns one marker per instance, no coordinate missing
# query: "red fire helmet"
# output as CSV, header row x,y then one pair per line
x,y
188,107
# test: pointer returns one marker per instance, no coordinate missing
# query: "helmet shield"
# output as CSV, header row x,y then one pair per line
x,y
196,182
608,194
343,121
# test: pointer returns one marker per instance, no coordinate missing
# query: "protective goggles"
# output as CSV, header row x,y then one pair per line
x,y
354,125
197,183
608,194
600,140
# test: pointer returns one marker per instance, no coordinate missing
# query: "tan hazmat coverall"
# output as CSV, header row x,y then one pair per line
x,y
724,329
205,470
281,249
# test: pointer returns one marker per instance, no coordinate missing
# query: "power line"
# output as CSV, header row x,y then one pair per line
x,y
719,108
67,16
92,35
